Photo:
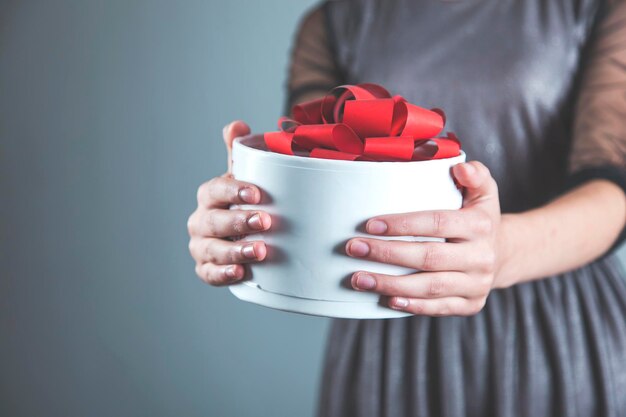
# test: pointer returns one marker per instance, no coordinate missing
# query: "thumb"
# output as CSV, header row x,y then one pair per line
x,y
230,132
480,187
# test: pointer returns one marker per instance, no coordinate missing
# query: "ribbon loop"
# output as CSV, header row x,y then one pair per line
x,y
369,117
309,112
280,142
400,148
335,136
363,123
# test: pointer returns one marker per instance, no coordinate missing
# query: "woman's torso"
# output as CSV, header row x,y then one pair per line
x,y
504,71
507,74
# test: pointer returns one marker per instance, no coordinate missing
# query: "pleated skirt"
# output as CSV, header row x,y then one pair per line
x,y
552,347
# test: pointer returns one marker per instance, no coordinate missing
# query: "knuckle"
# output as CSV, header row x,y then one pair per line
x,y
202,273
192,247
475,306
220,188
439,222
210,222
435,286
487,261
191,224
433,257
480,304
209,253
210,275
386,253
230,185
444,309
233,193
403,225
204,190
240,225
234,255
483,224
231,189
484,284
212,183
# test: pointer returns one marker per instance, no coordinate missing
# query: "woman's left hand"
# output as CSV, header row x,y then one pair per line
x,y
456,276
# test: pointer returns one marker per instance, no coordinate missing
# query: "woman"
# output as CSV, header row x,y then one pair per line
x,y
522,313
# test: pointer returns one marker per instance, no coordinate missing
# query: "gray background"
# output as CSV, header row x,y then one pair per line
x,y
110,117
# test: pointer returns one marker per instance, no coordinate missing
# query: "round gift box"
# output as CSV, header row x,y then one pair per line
x,y
316,206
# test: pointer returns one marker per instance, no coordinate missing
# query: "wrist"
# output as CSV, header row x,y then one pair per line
x,y
508,237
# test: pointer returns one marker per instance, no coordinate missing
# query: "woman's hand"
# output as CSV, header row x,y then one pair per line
x,y
218,260
456,276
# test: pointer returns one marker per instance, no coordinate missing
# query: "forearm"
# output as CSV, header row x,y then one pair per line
x,y
565,234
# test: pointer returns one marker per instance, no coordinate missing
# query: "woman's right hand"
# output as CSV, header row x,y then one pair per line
x,y
219,260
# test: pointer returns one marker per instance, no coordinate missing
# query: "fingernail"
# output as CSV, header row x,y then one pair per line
x,y
247,195
255,222
248,251
400,302
376,226
231,271
365,281
358,248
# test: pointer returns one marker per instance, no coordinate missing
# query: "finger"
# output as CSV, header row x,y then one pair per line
x,y
425,256
457,224
220,274
421,284
224,190
438,307
226,223
230,132
480,187
223,252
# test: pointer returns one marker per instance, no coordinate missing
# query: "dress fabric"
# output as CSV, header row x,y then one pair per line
x,y
536,90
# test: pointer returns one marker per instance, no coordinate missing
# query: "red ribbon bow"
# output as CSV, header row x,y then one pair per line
x,y
364,123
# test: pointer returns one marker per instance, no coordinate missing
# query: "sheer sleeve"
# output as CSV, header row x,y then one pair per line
x,y
600,123
312,69
599,143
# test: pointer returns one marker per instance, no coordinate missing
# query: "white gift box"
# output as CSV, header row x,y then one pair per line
x,y
316,206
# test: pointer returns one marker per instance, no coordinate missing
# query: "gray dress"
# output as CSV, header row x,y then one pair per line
x,y
536,90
